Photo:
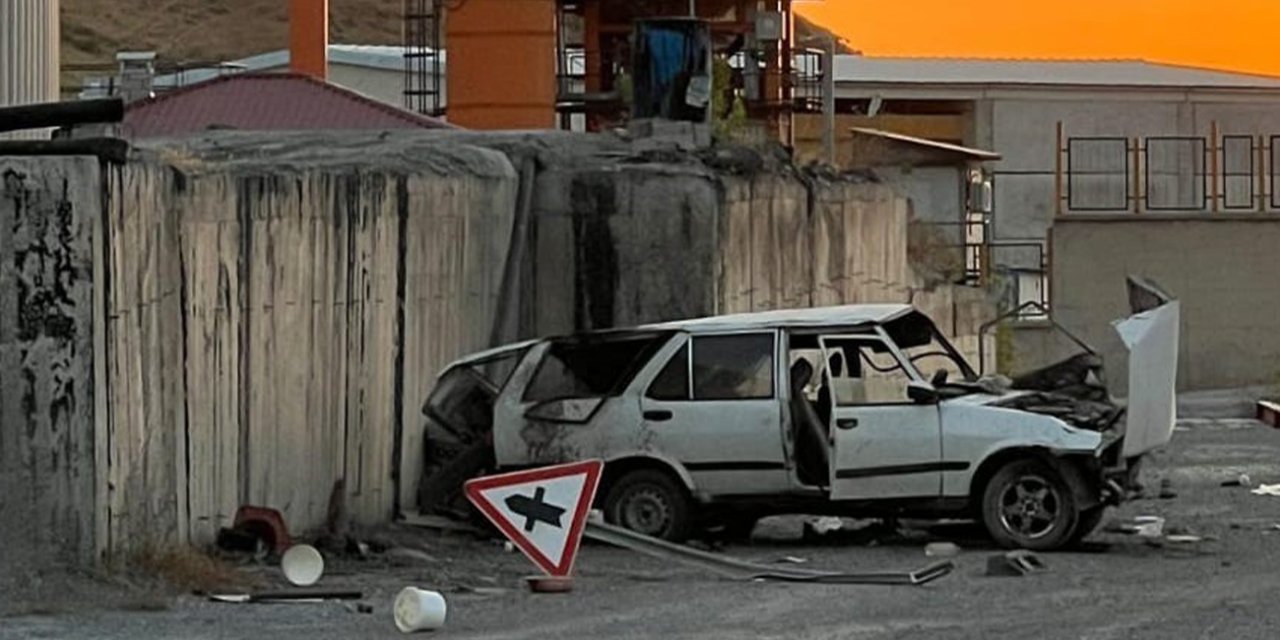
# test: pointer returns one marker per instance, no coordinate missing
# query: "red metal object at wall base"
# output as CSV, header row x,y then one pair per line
x,y
267,524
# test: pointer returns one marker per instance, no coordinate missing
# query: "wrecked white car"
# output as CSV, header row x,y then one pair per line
x,y
861,411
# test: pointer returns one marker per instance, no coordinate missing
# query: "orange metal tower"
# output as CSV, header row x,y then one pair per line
x,y
501,63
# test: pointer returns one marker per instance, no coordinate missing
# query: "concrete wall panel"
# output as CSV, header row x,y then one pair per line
x,y
1221,268
48,207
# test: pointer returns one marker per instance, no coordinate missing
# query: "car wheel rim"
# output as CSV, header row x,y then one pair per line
x,y
1029,507
646,511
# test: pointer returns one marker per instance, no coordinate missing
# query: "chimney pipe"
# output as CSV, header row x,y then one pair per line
x,y
309,37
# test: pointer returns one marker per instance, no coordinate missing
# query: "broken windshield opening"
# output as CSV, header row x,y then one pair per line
x,y
461,404
591,367
928,350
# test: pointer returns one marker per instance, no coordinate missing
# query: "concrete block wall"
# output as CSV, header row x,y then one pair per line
x,y
1021,127
1221,267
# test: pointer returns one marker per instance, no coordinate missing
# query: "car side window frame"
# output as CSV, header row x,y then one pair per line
x,y
651,382
688,346
773,368
878,337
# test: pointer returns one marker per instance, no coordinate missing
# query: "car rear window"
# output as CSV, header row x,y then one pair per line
x,y
575,368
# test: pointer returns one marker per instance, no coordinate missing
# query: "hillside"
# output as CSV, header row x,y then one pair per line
x,y
214,30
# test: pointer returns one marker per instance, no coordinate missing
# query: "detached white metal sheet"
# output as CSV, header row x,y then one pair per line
x,y
1152,339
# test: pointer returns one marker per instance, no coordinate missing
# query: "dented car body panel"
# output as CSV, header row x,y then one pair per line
x,y
855,406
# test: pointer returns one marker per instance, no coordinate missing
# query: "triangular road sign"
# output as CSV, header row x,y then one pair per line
x,y
542,511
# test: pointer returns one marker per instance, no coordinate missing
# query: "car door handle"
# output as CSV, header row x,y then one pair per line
x,y
846,424
658,416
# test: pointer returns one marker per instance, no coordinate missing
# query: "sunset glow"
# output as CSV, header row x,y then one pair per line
x,y
1240,35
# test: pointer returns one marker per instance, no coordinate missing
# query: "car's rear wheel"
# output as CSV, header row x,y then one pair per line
x,y
1028,505
650,502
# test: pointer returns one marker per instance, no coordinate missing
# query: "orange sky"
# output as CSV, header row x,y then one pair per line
x,y
1231,34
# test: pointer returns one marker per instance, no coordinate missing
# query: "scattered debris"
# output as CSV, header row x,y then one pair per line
x,y
293,595
1142,526
942,550
360,607
419,610
1015,564
407,556
1149,526
1267,490
1269,412
481,591
441,523
869,534
1242,480
824,525
1166,490
302,565
550,584
743,570
509,547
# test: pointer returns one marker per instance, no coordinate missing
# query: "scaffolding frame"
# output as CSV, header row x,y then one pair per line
x,y
423,66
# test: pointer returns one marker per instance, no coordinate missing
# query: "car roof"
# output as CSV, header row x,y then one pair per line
x,y
846,315
842,316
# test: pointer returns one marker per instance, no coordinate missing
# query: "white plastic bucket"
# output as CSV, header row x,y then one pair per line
x,y
419,610
302,565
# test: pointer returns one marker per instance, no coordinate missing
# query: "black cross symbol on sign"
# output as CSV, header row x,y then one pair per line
x,y
534,509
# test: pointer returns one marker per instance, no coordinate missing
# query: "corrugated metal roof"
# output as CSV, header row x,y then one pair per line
x,y
1113,73
265,102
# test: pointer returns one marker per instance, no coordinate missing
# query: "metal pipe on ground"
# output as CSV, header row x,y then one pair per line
x,y
61,114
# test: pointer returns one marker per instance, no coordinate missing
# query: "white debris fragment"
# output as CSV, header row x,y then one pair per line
x,y
1267,490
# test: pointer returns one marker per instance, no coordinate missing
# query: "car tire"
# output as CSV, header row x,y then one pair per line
x,y
1088,521
1028,505
650,502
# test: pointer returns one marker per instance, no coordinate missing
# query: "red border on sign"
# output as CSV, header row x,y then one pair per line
x,y
591,468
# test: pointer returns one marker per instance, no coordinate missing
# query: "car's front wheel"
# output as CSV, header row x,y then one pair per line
x,y
1029,505
650,502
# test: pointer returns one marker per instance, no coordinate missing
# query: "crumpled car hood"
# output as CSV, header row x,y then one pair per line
x,y
1075,390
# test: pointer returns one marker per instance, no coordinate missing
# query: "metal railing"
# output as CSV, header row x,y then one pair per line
x,y
1168,174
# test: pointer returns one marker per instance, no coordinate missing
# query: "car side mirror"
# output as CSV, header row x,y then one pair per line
x,y
922,393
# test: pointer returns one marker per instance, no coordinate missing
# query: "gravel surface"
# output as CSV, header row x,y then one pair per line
x,y
1116,586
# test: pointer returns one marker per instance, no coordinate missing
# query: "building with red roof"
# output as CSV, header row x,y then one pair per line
x,y
264,102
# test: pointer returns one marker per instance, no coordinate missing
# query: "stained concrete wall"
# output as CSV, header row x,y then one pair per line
x,y
276,315
1221,267
623,240
47,211
272,310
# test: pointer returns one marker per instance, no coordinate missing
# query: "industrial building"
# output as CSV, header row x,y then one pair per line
x,y
1084,137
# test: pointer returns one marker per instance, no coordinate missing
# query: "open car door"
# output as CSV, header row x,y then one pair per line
x,y
885,445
